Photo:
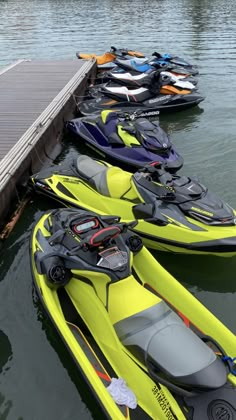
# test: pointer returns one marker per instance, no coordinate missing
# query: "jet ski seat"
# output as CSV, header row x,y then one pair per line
x,y
130,95
134,65
148,334
107,180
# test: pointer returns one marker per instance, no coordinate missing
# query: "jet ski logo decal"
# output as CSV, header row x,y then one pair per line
x,y
161,99
163,403
207,213
149,114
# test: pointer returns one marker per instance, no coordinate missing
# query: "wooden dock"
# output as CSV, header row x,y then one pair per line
x,y
36,97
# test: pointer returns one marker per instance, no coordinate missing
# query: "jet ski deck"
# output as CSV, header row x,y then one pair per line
x,y
162,342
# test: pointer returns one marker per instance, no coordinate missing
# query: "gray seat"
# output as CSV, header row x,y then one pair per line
x,y
94,172
159,335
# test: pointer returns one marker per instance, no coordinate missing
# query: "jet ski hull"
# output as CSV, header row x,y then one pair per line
x,y
79,313
149,108
193,238
136,157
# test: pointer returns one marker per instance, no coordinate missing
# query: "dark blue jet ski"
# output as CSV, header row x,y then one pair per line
x,y
127,139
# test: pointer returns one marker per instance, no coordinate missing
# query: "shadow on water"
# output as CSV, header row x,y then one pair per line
x,y
65,358
175,122
210,279
205,273
40,365
6,352
5,407
5,359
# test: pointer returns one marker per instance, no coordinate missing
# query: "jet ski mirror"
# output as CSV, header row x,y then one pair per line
x,y
130,224
110,219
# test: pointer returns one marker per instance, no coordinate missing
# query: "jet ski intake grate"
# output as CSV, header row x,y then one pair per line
x,y
221,410
219,404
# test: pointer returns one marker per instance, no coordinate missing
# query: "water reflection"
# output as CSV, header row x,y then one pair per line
x,y
211,279
175,122
66,360
5,407
5,354
208,273
5,358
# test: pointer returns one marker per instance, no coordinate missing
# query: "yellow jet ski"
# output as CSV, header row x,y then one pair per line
x,y
174,213
147,348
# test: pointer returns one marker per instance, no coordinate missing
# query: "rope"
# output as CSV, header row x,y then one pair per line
x,y
39,158
231,363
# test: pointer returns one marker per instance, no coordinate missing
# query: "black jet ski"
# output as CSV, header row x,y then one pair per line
x,y
147,81
141,79
148,102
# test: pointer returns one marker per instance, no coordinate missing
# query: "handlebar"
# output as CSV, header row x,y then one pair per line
x,y
103,235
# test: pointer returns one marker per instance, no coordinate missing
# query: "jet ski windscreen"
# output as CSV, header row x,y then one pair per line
x,y
113,258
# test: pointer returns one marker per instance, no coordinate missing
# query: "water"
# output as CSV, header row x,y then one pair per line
x,y
37,378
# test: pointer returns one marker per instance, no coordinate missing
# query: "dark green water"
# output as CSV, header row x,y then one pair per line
x,y
37,378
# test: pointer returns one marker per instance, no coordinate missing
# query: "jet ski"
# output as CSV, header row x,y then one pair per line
x,y
176,61
127,138
150,65
174,213
147,348
143,80
146,101
106,60
110,59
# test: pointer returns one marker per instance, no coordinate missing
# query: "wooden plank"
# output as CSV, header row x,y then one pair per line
x,y
26,90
